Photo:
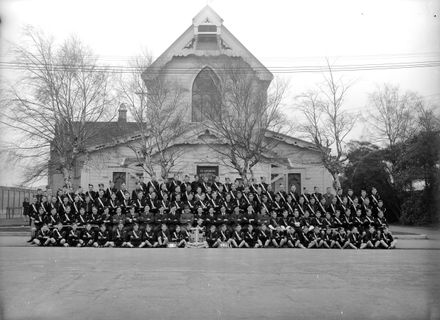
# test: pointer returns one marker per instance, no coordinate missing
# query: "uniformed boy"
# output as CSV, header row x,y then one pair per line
x,y
87,236
134,237
102,237
163,236
263,238
224,235
315,237
178,237
57,237
250,238
304,236
74,236
149,238
388,239
326,238
368,238
43,236
353,240
212,237
237,239
118,236
278,239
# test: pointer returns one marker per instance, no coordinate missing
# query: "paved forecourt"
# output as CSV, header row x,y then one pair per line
x,y
89,283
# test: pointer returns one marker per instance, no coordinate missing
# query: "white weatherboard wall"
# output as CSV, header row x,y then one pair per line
x,y
101,165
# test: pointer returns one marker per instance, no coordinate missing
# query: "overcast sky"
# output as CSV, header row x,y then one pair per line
x,y
278,33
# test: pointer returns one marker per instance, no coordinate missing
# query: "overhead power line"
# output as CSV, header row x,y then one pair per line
x,y
280,70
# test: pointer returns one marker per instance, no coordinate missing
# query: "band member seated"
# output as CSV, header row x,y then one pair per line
x,y
118,236
326,237
213,237
149,238
87,236
134,237
57,237
102,237
353,240
237,239
304,236
43,236
263,237
163,236
386,239
292,240
250,237
278,239
368,238
179,237
315,237
225,236
74,236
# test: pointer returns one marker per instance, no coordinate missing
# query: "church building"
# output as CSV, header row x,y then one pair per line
x,y
192,61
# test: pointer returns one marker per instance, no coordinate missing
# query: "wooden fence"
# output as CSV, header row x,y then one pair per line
x,y
11,201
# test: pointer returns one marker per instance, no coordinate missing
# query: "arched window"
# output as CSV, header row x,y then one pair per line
x,y
205,96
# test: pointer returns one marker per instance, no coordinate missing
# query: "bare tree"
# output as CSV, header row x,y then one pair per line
x,y
157,108
244,111
428,117
62,90
392,113
326,122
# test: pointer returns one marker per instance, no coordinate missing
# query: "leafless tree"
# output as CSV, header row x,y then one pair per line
x,y
392,113
326,122
61,91
428,117
157,107
244,112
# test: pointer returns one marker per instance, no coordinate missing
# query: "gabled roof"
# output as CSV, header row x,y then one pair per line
x,y
186,45
103,133
112,134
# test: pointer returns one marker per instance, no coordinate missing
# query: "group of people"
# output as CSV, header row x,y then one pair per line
x,y
239,214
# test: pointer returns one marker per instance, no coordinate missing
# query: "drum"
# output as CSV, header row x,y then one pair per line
x,y
172,245
223,245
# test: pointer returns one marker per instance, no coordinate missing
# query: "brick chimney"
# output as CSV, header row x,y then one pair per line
x,y
122,113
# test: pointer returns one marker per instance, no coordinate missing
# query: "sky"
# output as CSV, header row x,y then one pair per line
x,y
279,33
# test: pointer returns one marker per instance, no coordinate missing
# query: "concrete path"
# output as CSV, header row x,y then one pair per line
x,y
87,283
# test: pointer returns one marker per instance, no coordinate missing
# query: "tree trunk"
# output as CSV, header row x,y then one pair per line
x,y
336,181
66,174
